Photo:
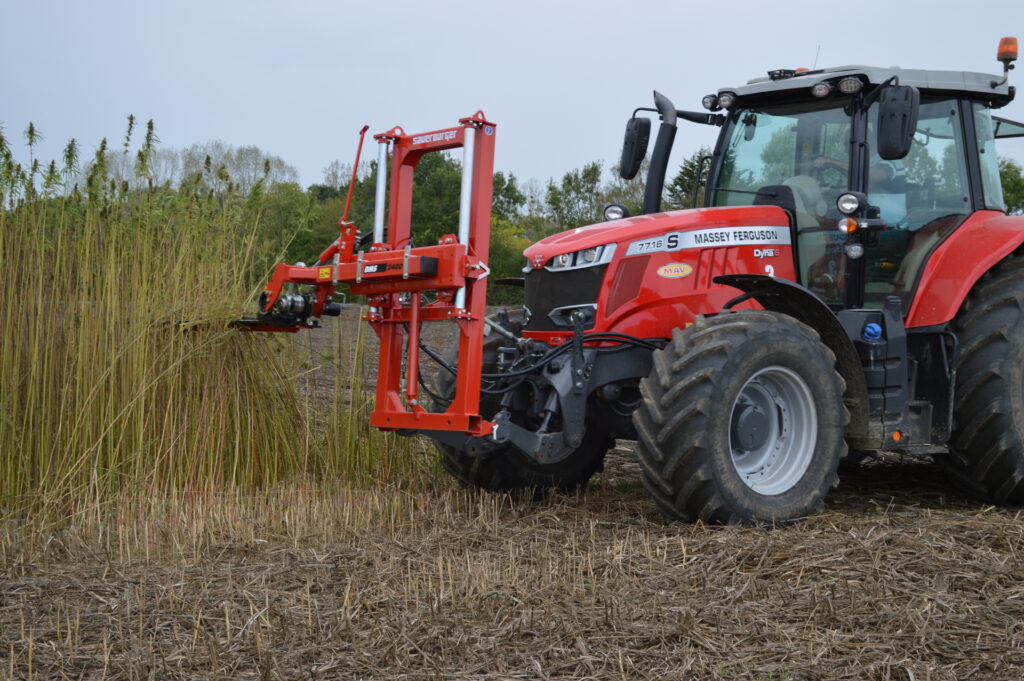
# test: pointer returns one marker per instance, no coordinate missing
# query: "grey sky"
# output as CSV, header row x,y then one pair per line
x,y
298,79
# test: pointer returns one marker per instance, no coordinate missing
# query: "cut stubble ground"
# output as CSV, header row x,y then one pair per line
x,y
899,578
896,580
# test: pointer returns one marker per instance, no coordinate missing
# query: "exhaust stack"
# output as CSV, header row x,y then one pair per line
x,y
662,150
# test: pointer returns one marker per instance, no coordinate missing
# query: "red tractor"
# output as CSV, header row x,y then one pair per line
x,y
851,283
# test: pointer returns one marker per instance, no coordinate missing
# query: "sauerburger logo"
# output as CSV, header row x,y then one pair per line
x,y
443,136
674,270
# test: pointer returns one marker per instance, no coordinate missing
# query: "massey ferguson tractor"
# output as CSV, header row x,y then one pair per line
x,y
851,283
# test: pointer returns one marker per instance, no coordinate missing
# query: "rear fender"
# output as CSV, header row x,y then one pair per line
x,y
959,261
789,298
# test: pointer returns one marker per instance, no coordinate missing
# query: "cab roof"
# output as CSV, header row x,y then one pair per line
x,y
964,82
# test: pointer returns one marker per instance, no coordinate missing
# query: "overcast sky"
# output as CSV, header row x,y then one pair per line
x,y
299,79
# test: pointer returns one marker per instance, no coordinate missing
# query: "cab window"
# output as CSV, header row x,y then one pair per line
x,y
984,130
804,149
921,197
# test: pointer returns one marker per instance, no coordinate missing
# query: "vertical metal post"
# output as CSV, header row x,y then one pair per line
x,y
413,351
465,199
382,188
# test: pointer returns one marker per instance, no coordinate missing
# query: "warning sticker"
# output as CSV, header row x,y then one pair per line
x,y
323,273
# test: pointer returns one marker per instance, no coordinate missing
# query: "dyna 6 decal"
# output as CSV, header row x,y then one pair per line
x,y
703,238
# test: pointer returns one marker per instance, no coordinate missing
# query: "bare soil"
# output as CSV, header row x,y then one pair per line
x,y
899,578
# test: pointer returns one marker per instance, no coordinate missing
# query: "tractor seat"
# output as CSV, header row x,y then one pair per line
x,y
810,202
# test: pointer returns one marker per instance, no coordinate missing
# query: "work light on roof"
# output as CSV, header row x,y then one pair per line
x,y
710,102
726,99
822,89
851,86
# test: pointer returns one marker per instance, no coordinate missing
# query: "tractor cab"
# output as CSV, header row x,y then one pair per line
x,y
803,140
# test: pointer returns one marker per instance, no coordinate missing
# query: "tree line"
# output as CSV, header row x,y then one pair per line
x,y
298,222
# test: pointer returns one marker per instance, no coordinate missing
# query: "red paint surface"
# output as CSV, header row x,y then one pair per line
x,y
662,304
955,266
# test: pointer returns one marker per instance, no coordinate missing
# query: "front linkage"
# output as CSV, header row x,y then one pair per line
x,y
540,395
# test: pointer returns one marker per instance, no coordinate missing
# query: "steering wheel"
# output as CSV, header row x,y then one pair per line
x,y
828,172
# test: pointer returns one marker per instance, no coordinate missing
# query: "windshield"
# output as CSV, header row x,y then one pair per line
x,y
796,155
802,146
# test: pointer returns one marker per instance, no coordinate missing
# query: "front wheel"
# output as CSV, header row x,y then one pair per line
x,y
742,420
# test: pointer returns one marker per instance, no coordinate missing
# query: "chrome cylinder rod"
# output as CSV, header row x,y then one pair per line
x,y
382,190
465,199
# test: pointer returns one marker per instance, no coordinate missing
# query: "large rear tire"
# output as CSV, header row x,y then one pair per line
x,y
507,468
741,421
986,452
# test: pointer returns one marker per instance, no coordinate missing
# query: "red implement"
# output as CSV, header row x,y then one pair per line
x,y
393,276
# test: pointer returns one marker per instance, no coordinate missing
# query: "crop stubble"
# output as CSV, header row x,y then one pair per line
x,y
899,578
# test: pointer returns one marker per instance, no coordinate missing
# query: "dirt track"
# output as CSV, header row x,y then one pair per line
x,y
899,578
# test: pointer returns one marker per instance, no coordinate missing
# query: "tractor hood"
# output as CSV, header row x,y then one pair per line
x,y
631,229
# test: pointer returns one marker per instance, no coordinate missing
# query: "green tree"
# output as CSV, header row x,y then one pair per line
x,y
679,192
575,201
921,166
508,200
506,259
777,156
629,193
1012,178
437,184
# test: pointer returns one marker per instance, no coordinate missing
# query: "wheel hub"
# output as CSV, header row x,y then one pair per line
x,y
773,430
749,426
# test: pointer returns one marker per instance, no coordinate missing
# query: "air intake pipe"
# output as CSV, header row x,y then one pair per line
x,y
662,149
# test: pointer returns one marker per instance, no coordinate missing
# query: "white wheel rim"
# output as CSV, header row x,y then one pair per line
x,y
773,430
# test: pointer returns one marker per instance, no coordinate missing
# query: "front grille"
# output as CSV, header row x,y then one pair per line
x,y
546,290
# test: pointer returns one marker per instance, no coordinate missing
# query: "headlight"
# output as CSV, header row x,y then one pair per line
x,y
726,99
615,211
850,86
710,102
849,203
822,89
588,257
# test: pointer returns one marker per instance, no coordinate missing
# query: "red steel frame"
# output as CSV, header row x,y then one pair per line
x,y
392,276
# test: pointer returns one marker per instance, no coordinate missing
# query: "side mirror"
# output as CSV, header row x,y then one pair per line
x,y
897,120
634,146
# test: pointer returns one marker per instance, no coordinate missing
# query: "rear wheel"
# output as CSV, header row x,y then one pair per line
x,y
507,468
741,421
987,445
